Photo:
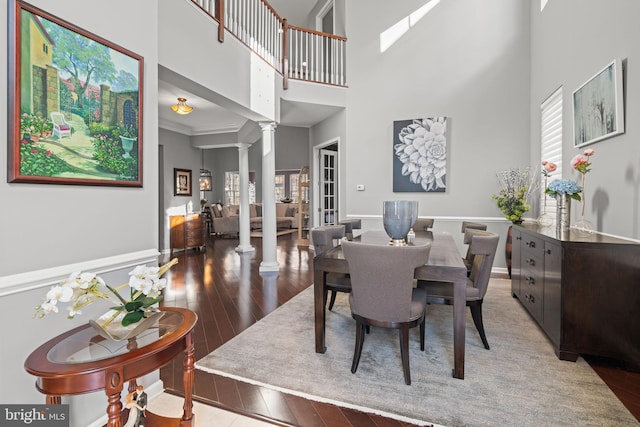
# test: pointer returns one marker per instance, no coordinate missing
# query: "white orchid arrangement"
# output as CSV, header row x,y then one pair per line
x,y
81,289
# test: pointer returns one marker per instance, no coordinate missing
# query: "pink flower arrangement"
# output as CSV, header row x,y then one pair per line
x,y
581,162
548,167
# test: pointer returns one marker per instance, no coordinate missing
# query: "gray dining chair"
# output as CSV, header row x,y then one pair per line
x,y
423,224
468,225
483,248
383,294
324,238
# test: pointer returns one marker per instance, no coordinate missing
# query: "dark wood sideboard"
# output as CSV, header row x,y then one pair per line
x,y
187,232
582,289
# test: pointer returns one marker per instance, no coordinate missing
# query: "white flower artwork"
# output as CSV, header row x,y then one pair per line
x,y
420,155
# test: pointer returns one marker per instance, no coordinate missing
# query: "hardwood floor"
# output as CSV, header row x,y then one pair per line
x,y
229,295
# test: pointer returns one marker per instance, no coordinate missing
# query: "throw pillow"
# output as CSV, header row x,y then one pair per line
x,y
258,210
290,212
217,212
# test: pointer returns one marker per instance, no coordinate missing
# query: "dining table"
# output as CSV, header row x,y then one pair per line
x,y
444,265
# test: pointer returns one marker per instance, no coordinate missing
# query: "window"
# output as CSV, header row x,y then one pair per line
x,y
551,145
287,184
232,188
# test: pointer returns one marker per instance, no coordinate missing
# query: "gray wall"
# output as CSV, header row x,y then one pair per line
x,y
48,231
292,152
571,41
178,153
466,60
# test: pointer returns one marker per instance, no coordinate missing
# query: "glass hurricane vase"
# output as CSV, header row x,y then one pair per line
x,y
582,226
398,216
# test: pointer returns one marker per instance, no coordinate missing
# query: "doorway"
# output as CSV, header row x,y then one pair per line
x,y
326,183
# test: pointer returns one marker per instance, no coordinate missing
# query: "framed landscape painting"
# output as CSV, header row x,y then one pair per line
x,y
598,106
75,104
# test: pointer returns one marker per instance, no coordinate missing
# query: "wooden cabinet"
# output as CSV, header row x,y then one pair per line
x,y
583,291
187,232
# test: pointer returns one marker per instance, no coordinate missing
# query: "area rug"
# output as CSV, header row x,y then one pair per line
x,y
519,382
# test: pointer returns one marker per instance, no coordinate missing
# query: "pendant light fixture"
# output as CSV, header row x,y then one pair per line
x,y
206,180
181,107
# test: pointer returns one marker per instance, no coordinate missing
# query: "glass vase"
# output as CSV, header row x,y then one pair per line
x,y
397,217
583,227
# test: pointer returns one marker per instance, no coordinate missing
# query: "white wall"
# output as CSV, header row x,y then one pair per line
x,y
571,40
44,227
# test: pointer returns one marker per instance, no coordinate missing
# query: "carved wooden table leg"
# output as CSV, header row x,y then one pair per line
x,y
188,378
113,389
53,399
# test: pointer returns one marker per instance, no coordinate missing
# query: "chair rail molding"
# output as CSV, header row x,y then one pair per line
x,y
27,281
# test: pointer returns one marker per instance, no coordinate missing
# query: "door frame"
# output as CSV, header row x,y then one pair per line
x,y
322,13
315,177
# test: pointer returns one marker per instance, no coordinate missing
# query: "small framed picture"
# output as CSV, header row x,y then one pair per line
x,y
182,182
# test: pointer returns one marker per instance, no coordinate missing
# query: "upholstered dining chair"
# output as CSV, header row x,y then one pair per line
x,y
324,238
423,224
468,225
483,248
383,294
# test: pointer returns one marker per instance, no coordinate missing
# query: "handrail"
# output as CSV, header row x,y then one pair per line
x,y
296,52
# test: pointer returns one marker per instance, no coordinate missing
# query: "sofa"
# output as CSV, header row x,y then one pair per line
x,y
226,219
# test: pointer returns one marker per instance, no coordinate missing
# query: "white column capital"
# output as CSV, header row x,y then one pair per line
x,y
243,146
268,126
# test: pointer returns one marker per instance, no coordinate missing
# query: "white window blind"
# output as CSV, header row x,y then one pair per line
x,y
551,144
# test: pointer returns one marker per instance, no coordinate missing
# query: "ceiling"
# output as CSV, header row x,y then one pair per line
x,y
209,118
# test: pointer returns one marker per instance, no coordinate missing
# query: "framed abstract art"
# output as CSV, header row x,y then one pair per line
x,y
598,106
420,155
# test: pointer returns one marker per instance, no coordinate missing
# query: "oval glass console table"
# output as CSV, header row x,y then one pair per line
x,y
81,361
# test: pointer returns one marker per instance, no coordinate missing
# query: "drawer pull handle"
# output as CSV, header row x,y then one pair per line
x,y
531,281
548,251
531,244
531,261
530,298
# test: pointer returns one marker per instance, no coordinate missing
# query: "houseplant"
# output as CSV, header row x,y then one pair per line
x,y
82,289
516,187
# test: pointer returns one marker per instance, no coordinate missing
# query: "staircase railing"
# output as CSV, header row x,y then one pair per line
x,y
296,52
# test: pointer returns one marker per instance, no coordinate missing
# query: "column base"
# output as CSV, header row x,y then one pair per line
x,y
269,266
245,248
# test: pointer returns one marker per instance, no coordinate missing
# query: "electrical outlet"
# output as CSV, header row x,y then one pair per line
x,y
360,187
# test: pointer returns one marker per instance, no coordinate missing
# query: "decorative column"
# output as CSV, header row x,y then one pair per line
x,y
269,226
245,215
